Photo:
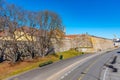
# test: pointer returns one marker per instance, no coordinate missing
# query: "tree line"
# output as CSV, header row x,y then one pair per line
x,y
42,27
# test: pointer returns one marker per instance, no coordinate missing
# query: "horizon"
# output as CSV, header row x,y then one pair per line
x,y
95,17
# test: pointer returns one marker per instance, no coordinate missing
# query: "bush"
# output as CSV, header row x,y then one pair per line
x,y
45,63
61,57
82,52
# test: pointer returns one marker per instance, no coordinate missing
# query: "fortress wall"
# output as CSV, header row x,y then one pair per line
x,y
101,43
85,43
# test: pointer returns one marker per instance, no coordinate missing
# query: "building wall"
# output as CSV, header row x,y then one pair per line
x,y
65,45
85,44
19,36
101,43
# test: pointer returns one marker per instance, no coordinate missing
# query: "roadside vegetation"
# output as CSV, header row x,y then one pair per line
x,y
27,34
8,69
27,39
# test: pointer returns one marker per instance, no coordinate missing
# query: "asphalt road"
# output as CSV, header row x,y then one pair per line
x,y
43,73
85,67
91,70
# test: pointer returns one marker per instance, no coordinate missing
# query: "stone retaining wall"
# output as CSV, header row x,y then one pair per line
x,y
85,43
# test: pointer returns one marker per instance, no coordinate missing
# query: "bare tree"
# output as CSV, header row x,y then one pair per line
x,y
42,27
48,23
11,21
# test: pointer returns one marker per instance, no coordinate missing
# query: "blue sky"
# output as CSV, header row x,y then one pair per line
x,y
96,17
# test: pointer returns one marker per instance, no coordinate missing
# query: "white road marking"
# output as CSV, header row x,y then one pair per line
x,y
72,67
71,70
66,74
104,76
62,77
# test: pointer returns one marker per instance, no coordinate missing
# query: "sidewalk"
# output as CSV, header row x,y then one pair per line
x,y
108,73
116,75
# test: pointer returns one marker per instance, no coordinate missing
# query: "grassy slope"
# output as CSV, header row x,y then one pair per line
x,y
6,70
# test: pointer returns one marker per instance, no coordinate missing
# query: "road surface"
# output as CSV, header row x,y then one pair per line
x,y
90,70
85,67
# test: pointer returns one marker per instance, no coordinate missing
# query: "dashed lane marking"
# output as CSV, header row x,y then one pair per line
x,y
87,69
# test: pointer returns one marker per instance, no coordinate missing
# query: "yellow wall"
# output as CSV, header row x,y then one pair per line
x,y
20,36
101,43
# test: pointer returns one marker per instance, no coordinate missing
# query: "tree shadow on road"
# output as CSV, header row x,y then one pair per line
x,y
118,52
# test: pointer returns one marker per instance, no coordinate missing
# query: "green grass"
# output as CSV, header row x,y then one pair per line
x,y
69,54
42,62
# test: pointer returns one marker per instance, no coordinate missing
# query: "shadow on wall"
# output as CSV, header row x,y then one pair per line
x,y
51,51
23,51
1,59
